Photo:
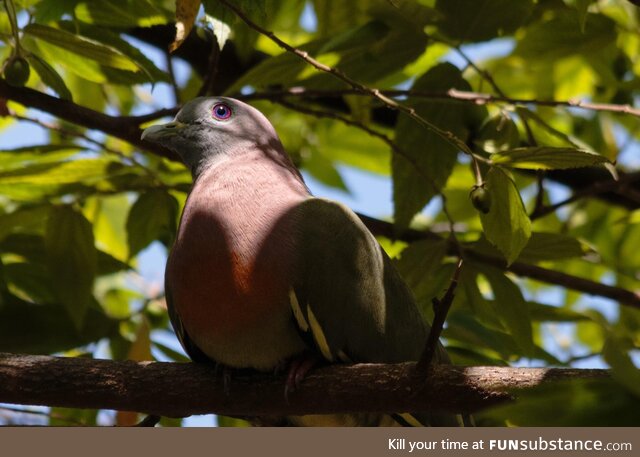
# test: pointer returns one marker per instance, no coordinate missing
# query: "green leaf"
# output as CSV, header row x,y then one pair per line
x,y
552,246
465,329
104,55
431,159
45,179
122,13
50,76
152,216
546,313
419,262
72,260
571,403
624,371
582,6
25,219
540,247
149,71
29,280
482,20
36,154
499,133
88,70
547,158
353,147
45,329
560,36
323,170
511,309
506,225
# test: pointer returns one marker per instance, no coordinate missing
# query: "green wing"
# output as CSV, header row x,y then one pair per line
x,y
350,299
348,294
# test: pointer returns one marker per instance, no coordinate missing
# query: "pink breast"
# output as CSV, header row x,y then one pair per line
x,y
227,275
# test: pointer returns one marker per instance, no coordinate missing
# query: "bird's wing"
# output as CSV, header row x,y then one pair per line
x,y
348,294
350,299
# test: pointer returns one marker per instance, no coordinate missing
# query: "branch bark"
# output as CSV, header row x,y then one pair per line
x,y
183,389
125,128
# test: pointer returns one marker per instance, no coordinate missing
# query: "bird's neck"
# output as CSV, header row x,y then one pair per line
x,y
251,181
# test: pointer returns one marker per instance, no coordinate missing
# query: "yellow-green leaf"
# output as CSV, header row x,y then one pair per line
x,y
548,158
49,76
506,225
91,49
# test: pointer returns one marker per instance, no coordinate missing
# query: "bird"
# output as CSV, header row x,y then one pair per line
x,y
262,274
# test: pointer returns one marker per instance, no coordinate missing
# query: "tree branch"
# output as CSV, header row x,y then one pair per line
x,y
183,389
119,127
623,296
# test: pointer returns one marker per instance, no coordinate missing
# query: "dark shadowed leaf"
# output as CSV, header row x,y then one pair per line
x,y
152,216
615,353
499,133
540,247
466,20
561,36
511,308
72,260
547,313
419,262
579,403
45,329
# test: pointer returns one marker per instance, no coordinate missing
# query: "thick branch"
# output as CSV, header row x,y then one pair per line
x,y
119,127
182,389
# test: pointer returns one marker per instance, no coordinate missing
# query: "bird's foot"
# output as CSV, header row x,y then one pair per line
x,y
299,366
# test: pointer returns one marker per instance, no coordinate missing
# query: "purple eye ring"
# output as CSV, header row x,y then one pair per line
x,y
221,111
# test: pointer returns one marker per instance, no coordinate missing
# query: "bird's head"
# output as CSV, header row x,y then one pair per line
x,y
208,129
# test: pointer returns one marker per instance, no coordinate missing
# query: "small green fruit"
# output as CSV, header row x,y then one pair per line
x,y
481,199
17,71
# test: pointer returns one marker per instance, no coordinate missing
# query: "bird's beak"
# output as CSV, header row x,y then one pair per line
x,y
156,132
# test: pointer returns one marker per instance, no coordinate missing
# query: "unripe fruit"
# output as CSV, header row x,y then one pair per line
x,y
17,71
481,199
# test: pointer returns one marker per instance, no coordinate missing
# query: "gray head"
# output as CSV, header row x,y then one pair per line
x,y
208,129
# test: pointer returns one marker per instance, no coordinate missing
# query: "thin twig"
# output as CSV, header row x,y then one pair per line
x,y
441,309
172,77
477,98
596,188
539,202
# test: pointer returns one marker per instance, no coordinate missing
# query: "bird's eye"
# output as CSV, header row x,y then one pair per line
x,y
221,112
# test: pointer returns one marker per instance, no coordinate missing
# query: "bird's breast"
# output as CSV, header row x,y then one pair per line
x,y
230,272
